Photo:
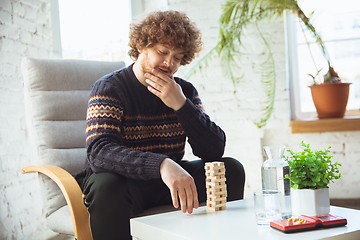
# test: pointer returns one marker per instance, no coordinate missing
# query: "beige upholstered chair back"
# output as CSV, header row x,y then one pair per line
x,y
56,96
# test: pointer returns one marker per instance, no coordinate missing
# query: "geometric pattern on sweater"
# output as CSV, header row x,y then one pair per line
x,y
102,107
143,132
104,110
199,104
162,134
162,147
104,113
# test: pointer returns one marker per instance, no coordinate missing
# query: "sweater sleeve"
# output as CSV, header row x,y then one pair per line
x,y
206,139
105,151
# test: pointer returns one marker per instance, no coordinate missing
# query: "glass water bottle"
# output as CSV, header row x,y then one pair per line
x,y
273,172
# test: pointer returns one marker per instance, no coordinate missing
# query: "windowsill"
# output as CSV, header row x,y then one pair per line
x,y
348,123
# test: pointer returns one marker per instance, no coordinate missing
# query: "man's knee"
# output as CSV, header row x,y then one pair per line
x,y
233,165
235,178
104,187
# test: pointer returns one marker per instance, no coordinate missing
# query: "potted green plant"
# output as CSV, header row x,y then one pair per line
x,y
236,17
310,175
330,97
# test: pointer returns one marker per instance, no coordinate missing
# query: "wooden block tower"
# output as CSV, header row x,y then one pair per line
x,y
215,186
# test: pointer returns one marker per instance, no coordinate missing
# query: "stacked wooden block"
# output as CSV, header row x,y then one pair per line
x,y
215,186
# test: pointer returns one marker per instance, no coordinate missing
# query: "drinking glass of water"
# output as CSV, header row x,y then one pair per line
x,y
267,206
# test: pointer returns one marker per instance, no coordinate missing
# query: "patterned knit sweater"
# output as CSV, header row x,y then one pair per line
x,y
130,131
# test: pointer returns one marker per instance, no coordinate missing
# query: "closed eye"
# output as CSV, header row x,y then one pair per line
x,y
178,58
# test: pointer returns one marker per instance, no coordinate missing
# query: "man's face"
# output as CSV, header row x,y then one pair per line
x,y
161,58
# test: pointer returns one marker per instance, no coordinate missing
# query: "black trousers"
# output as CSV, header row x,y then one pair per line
x,y
112,199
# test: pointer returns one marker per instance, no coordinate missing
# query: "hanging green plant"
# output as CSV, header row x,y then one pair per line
x,y
236,16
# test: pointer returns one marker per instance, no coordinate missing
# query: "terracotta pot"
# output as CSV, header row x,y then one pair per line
x,y
330,99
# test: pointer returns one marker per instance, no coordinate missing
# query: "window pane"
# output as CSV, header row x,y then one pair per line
x,y
339,27
95,30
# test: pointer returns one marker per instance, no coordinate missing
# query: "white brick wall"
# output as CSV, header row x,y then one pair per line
x,y
25,31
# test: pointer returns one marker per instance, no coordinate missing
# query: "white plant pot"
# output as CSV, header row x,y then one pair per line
x,y
310,202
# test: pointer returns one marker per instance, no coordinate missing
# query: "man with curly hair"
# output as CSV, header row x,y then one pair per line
x,y
138,120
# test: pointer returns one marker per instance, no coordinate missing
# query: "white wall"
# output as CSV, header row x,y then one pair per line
x,y
25,30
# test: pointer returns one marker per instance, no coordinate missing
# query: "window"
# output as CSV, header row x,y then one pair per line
x,y
339,27
94,30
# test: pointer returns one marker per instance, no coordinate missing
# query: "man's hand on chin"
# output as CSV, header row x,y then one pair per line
x,y
166,89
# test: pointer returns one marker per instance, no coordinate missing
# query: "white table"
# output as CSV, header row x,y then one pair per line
x,y
237,222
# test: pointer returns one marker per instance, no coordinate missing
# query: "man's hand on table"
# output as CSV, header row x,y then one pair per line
x,y
181,184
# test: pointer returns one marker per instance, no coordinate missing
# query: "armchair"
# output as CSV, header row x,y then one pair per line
x,y
56,95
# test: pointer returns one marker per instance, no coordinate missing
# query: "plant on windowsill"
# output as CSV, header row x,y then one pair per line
x,y
310,175
330,97
236,17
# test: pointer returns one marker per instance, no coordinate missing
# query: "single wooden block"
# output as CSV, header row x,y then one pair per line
x,y
216,197
215,184
212,204
218,188
214,200
215,208
217,172
217,194
214,164
214,180
216,176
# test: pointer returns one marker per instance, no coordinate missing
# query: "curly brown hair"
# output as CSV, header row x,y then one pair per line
x,y
170,28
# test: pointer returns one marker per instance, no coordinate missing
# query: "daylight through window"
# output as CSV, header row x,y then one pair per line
x,y
339,27
94,30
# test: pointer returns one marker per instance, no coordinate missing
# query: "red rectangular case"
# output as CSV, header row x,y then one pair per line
x,y
306,223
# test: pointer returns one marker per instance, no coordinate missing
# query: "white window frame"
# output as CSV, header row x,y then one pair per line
x,y
137,8
291,24
292,69
55,27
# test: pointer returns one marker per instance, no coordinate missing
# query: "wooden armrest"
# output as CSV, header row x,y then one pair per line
x,y
73,195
